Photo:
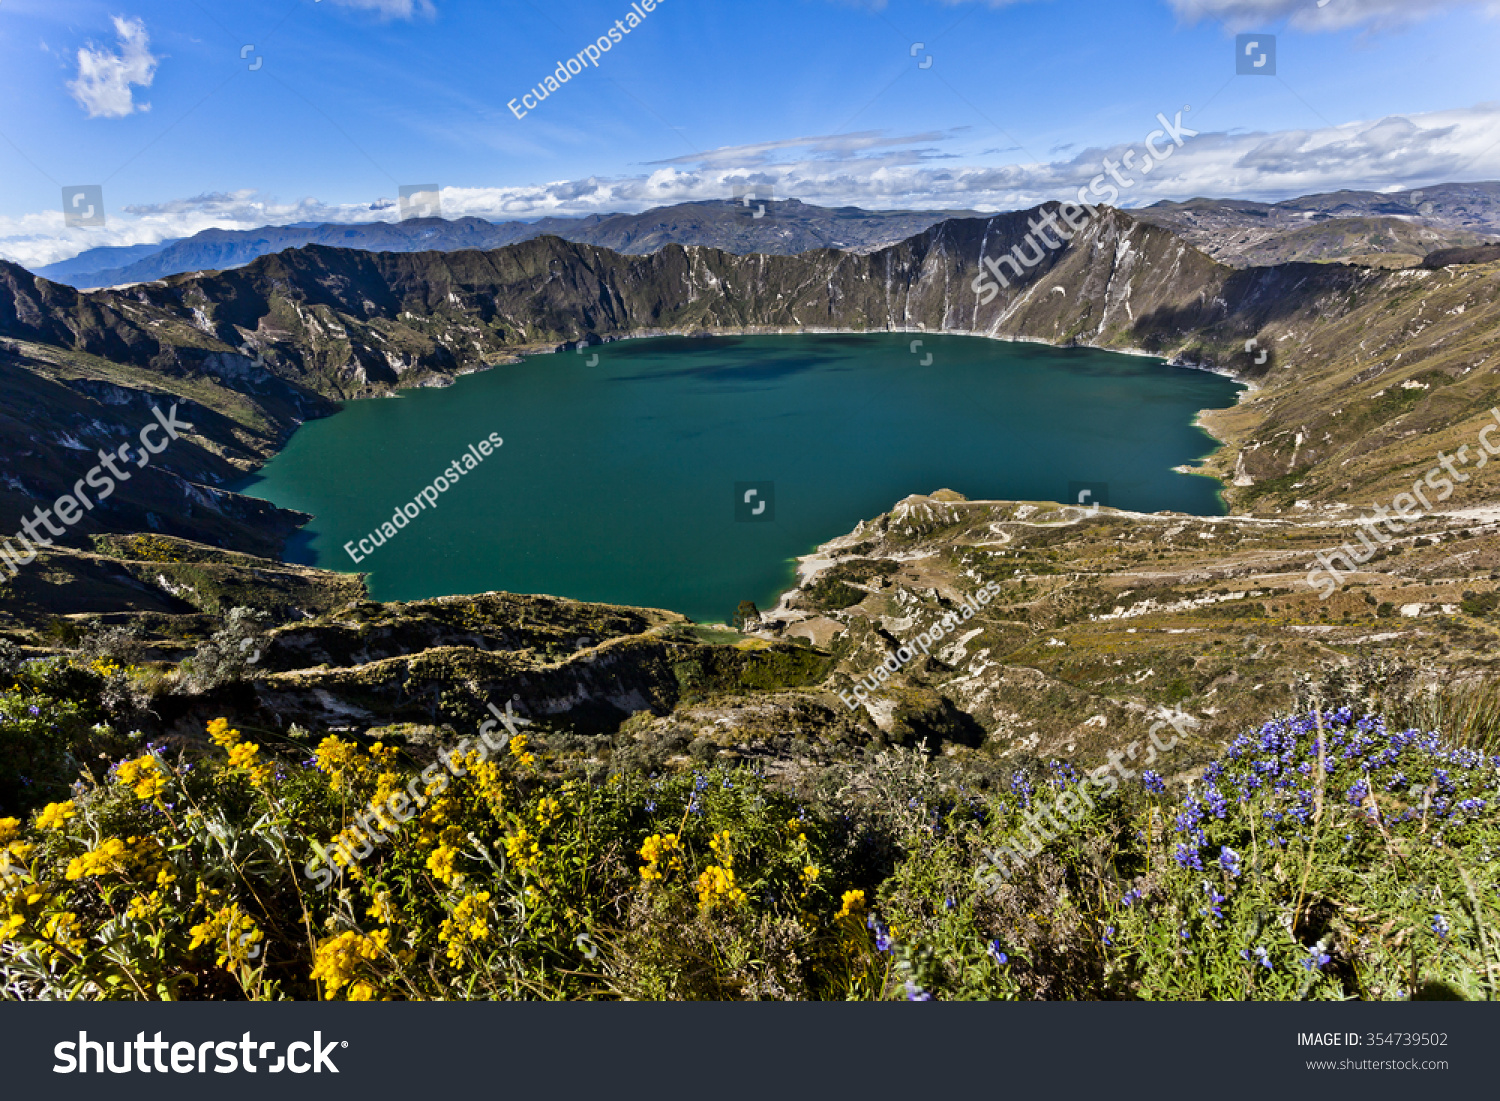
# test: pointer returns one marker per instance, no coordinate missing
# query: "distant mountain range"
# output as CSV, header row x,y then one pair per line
x,y
778,228
1361,227
1390,229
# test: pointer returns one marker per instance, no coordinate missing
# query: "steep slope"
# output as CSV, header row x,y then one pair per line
x,y
350,323
1101,619
61,411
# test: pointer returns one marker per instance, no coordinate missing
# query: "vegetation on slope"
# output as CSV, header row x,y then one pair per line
x,y
1325,855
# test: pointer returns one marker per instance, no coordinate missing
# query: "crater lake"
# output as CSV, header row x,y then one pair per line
x,y
626,481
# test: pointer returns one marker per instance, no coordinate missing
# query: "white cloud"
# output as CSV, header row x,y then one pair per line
x,y
103,84
1381,155
392,9
1332,15
1388,154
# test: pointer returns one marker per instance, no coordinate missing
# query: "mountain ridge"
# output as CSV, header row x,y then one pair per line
x,y
1238,232
784,227
316,325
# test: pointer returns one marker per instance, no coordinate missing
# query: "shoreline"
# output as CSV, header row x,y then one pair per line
x,y
798,562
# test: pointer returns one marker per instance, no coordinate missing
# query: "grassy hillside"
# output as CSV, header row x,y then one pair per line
x,y
1326,855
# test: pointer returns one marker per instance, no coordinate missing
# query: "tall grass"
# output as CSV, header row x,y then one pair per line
x,y
1468,713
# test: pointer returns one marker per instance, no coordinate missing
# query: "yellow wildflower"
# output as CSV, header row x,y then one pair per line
x,y
381,909
386,785
518,744
385,754
55,814
62,931
716,887
663,856
144,907
22,905
491,781
340,761
234,934
144,776
469,924
222,736
548,811
108,857
853,907
523,849
10,829
336,962
104,667
441,863
245,756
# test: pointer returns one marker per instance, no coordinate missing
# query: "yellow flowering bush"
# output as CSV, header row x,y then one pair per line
x,y
171,877
468,925
143,776
232,932
663,856
716,887
340,961
55,815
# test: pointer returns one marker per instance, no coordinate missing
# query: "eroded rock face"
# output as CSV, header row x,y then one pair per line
x,y
315,311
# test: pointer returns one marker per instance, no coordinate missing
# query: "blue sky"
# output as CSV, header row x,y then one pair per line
x,y
817,99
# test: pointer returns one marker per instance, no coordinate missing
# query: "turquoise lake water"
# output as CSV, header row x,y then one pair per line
x,y
625,482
